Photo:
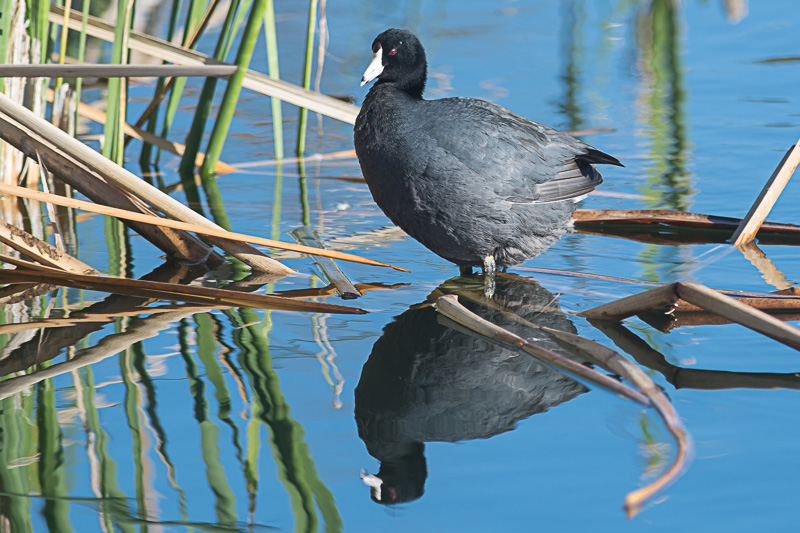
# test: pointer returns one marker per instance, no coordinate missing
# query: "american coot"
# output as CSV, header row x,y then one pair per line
x,y
472,181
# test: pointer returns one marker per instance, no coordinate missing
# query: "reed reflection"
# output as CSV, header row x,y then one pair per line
x,y
41,428
669,183
427,381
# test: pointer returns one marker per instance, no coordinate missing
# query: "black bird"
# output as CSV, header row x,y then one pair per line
x,y
474,182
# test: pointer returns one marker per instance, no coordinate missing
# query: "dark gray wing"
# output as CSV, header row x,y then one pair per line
x,y
518,160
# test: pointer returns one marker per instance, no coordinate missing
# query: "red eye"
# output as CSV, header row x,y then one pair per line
x,y
393,51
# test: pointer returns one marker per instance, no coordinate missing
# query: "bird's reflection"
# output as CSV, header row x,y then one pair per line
x,y
425,381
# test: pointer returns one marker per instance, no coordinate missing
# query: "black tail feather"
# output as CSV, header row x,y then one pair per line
x,y
597,157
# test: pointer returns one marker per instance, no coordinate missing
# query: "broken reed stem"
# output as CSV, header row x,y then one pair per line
x,y
20,292
707,299
42,251
168,223
31,272
727,307
307,236
55,145
660,297
588,218
109,346
758,300
751,223
309,158
450,307
636,499
769,272
615,362
584,275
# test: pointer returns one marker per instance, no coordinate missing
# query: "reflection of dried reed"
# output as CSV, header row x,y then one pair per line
x,y
645,391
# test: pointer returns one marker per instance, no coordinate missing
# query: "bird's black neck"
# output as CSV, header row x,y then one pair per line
x,y
413,83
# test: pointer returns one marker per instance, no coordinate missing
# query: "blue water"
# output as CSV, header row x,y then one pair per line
x,y
238,420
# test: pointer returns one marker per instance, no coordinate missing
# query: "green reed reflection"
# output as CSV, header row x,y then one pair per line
x,y
51,463
16,445
225,501
296,468
103,466
669,183
132,410
151,414
573,16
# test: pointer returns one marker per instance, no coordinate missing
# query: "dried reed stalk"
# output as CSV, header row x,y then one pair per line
x,y
72,161
752,222
42,251
261,83
98,116
449,306
705,298
28,272
203,230
61,152
606,358
590,217
93,70
308,237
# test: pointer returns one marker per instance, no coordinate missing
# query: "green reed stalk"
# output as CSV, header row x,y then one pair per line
x,y
81,53
273,72
277,196
6,9
113,145
193,19
152,120
302,125
62,53
225,116
205,101
303,182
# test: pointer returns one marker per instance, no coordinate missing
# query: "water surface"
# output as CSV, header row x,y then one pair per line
x,y
236,419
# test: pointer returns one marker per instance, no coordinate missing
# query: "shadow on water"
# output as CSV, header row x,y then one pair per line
x,y
428,382
691,378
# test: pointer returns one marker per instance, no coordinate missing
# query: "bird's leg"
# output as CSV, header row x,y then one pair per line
x,y
489,267
488,287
